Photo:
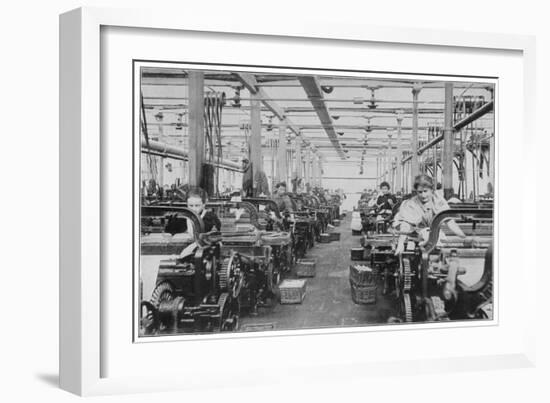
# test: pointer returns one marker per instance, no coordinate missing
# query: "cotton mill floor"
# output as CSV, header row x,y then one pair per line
x,y
328,300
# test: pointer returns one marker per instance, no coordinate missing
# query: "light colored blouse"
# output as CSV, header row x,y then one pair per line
x,y
420,215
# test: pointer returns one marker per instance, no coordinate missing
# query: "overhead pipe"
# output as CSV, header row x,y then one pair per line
x,y
488,107
175,152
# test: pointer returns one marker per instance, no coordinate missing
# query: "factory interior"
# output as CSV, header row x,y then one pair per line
x,y
311,199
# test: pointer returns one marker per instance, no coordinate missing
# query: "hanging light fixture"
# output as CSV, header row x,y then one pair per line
x,y
236,98
368,127
372,102
179,123
400,113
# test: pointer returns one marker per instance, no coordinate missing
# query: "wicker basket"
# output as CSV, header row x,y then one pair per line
x,y
334,236
325,238
336,223
362,275
354,232
363,295
292,291
305,267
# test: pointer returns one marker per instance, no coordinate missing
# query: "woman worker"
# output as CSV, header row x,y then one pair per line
x,y
417,213
196,201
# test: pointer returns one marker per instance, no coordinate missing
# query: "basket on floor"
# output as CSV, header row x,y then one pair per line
x,y
325,238
362,275
306,267
292,291
334,236
363,294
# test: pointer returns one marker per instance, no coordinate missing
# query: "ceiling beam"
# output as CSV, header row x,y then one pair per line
x,y
315,95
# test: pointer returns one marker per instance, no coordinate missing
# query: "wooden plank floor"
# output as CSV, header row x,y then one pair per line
x,y
328,300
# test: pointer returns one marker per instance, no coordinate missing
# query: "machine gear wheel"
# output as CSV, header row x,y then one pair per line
x,y
285,258
403,277
148,318
229,313
273,276
407,276
291,257
230,277
407,308
164,291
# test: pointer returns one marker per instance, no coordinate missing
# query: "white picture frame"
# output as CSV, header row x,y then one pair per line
x,y
83,248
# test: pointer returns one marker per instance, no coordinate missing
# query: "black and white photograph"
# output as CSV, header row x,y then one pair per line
x,y
288,200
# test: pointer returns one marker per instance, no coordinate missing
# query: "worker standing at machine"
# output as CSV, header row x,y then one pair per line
x,y
385,201
282,199
417,213
255,181
284,204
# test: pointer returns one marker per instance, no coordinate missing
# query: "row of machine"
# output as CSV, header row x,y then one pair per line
x,y
207,280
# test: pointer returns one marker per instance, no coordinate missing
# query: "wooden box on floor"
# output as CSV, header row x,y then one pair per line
x,y
334,236
306,267
292,291
325,238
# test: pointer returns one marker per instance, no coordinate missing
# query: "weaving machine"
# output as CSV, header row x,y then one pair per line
x,y
195,291
444,278
262,256
279,233
323,214
304,224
